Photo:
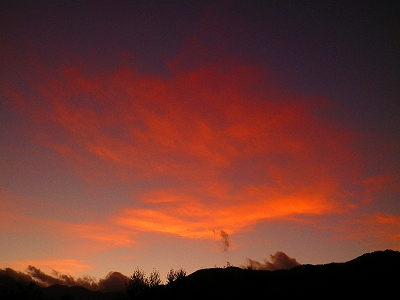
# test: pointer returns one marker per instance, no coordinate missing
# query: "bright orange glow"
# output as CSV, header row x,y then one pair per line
x,y
190,218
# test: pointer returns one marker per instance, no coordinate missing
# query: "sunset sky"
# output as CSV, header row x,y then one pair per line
x,y
189,134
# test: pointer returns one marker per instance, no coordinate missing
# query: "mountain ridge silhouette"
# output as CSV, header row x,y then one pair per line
x,y
371,274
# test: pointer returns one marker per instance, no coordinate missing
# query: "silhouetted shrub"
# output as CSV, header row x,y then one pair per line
x,y
175,275
138,282
154,279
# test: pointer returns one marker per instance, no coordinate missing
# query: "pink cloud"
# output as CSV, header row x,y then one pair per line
x,y
17,217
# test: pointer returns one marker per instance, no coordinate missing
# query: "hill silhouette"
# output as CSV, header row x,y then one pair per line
x,y
372,274
376,273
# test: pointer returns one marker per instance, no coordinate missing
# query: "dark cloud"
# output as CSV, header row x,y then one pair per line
x,y
113,282
226,241
15,275
86,281
42,278
59,278
279,261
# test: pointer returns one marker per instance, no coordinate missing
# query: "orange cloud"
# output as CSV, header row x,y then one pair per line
x,y
197,121
231,149
65,266
191,217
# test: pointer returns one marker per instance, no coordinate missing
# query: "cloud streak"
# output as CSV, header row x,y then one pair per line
x,y
190,218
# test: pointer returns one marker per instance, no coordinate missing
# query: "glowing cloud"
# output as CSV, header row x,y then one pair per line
x,y
194,219
216,147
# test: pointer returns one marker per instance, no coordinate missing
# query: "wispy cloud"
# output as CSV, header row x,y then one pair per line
x,y
19,217
214,146
376,229
377,186
104,233
234,150
194,218
199,121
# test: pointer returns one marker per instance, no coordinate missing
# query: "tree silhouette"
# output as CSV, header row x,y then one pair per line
x,y
175,275
154,279
139,282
